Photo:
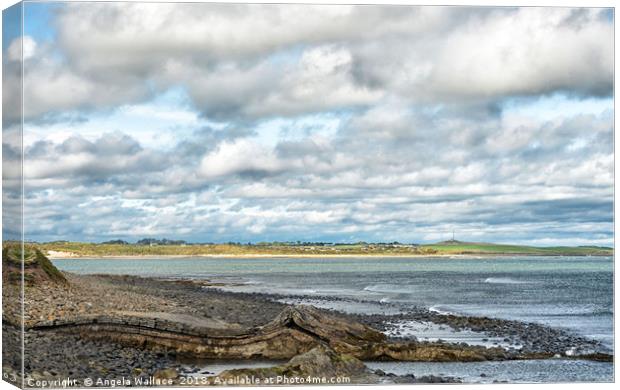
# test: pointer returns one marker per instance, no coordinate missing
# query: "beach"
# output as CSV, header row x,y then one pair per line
x,y
61,320
564,292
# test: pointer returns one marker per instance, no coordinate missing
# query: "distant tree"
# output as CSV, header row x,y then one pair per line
x,y
116,242
164,241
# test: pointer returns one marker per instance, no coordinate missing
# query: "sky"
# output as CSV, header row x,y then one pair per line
x,y
249,123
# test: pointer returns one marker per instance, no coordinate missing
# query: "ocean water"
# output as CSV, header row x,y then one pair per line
x,y
574,293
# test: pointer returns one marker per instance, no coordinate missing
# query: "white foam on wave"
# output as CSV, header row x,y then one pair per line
x,y
441,310
389,289
429,331
505,281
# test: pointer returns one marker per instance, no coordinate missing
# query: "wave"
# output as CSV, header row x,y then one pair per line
x,y
580,313
389,288
441,310
505,281
251,282
379,288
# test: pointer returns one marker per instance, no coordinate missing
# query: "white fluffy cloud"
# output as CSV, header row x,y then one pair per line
x,y
529,52
240,157
21,48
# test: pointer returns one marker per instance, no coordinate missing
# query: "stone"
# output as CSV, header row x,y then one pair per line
x,y
321,361
167,373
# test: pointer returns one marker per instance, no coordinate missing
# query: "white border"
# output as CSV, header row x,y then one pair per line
x,y
562,3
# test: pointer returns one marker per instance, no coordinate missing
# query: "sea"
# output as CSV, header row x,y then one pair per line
x,y
573,293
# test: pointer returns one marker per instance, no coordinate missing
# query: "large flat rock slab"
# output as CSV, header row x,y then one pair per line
x,y
186,319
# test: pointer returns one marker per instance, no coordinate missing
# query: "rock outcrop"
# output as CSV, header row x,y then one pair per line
x,y
433,352
36,267
320,365
298,329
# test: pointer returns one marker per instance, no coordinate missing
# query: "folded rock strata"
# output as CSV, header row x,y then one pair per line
x,y
296,330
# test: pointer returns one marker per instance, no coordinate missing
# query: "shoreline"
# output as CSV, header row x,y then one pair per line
x,y
141,297
251,256
174,297
74,256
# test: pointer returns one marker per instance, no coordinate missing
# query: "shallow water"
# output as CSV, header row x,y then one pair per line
x,y
517,371
522,371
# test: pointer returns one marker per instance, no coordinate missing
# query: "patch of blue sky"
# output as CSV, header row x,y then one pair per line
x,y
38,20
608,13
546,108
325,125
159,123
289,56
11,25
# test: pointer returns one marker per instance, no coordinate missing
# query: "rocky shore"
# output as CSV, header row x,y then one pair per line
x,y
111,327
531,338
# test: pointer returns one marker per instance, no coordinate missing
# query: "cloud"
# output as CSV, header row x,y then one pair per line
x,y
552,53
21,49
110,155
256,61
506,53
342,188
240,157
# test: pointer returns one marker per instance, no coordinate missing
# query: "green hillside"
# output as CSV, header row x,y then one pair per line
x,y
458,247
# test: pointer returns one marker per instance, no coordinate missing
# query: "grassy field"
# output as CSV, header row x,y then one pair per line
x,y
79,249
487,248
90,249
